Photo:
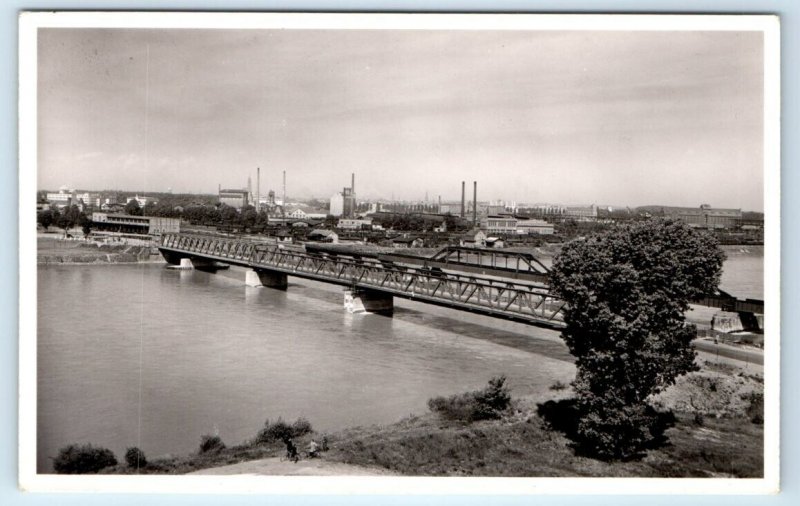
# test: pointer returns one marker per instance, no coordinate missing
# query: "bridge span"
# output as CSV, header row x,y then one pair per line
x,y
372,281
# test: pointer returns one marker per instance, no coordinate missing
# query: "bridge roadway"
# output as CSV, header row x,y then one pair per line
x,y
376,279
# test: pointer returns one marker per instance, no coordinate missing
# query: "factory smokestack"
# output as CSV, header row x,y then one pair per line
x,y
283,203
474,203
353,183
462,199
258,188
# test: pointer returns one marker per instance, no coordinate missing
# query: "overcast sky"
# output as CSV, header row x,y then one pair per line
x,y
624,118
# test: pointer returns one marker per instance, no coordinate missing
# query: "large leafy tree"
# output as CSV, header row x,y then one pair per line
x,y
626,292
45,218
133,208
68,218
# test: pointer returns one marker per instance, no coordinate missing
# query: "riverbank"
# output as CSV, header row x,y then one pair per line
x,y
713,421
57,251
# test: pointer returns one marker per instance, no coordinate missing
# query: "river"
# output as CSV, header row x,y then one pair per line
x,y
139,355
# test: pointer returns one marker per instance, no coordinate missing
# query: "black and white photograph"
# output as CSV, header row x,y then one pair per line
x,y
279,250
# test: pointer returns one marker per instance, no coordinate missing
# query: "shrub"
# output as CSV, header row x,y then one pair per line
x,y
280,430
134,457
300,427
493,400
488,403
558,385
83,459
209,443
755,410
456,407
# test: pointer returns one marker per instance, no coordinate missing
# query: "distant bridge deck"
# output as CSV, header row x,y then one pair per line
x,y
491,292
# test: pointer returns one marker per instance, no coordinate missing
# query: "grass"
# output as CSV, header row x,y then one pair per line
x,y
524,445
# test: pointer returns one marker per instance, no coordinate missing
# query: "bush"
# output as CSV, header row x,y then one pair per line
x,y
83,459
209,443
280,430
558,385
489,403
301,426
134,457
755,410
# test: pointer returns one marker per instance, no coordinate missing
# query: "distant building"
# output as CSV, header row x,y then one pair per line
x,y
495,242
142,201
499,224
534,227
407,242
344,203
474,238
707,217
354,224
302,212
63,197
581,212
234,198
454,209
145,225
296,213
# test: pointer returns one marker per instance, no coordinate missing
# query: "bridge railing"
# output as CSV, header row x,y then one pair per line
x,y
488,295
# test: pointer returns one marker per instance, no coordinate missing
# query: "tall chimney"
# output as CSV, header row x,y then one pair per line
x,y
462,199
353,183
283,204
439,210
474,203
258,188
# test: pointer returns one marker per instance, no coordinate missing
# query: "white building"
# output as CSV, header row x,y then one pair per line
x,y
141,200
354,224
494,224
534,227
337,204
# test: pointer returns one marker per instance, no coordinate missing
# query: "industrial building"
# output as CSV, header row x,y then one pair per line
x,y
142,225
237,199
499,224
344,203
354,224
707,217
534,227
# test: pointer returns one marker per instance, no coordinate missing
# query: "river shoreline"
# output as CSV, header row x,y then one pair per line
x,y
707,431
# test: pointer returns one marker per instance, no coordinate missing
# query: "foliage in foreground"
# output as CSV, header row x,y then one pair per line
x,y
135,458
209,443
83,459
627,292
280,430
486,404
527,446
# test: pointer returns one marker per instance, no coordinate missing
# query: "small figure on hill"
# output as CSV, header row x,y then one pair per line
x,y
313,449
324,445
291,450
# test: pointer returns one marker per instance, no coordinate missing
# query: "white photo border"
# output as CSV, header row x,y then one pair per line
x,y
29,480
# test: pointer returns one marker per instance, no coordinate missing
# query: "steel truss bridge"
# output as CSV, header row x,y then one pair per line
x,y
512,291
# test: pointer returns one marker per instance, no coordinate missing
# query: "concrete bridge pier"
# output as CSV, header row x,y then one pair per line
x,y
361,301
262,277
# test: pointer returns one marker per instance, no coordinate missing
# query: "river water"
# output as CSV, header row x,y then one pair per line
x,y
139,355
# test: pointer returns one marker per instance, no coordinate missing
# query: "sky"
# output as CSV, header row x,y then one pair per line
x,y
573,117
